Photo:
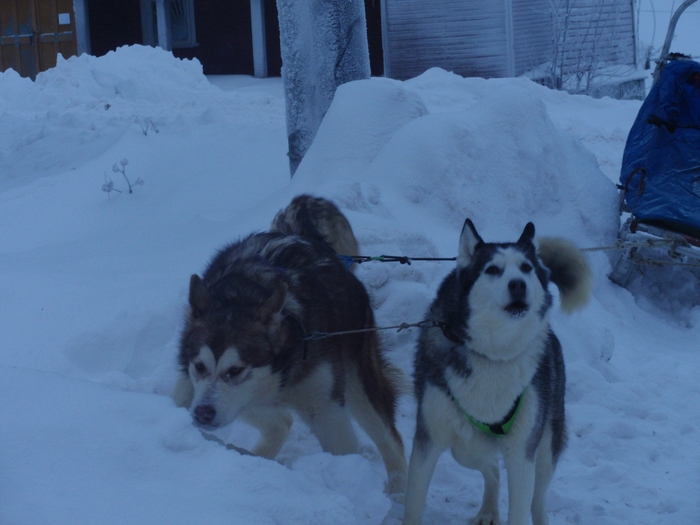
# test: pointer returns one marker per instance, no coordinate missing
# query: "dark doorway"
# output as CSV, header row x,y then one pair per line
x,y
373,13
224,37
272,39
114,23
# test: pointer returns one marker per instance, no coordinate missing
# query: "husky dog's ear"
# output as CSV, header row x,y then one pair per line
x,y
200,299
274,304
468,241
528,234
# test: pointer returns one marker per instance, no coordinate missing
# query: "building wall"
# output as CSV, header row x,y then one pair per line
x,y
532,28
597,33
486,38
34,32
498,38
466,37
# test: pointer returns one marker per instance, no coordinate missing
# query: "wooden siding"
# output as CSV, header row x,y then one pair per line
x,y
470,37
466,37
597,33
533,36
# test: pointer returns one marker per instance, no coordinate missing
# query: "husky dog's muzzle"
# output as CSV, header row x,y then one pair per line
x,y
517,307
204,416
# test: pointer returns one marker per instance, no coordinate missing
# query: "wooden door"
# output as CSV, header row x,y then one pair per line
x,y
34,32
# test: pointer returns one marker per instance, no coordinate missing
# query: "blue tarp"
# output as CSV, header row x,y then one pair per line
x,y
661,164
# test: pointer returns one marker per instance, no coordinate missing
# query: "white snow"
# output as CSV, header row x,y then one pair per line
x,y
93,288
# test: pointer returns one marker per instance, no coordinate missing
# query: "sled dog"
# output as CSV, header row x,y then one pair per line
x,y
245,351
489,372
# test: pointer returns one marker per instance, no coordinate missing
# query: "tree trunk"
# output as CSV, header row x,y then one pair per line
x,y
324,45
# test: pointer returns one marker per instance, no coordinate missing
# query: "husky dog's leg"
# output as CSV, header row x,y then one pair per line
x,y
521,485
372,391
331,424
544,469
433,436
382,432
482,456
320,404
488,513
424,457
274,424
184,392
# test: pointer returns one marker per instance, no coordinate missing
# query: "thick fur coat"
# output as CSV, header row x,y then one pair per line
x,y
245,350
489,372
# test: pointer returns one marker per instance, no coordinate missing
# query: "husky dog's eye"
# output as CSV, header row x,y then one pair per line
x,y
493,270
199,367
233,372
526,267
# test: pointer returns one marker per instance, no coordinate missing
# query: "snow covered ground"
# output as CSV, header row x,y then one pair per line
x,y
93,286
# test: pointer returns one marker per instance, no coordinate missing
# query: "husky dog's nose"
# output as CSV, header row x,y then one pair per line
x,y
204,414
517,289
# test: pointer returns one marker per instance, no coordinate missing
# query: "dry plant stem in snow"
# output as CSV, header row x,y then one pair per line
x,y
108,186
121,168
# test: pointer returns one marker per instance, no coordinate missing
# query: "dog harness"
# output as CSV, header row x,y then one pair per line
x,y
347,261
495,429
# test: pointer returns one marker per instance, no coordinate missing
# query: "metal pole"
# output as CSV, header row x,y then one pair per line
x,y
663,58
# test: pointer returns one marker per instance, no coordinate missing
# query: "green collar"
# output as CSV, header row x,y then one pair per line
x,y
495,429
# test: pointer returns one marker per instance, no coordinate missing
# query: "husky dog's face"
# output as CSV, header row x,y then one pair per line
x,y
507,297
229,354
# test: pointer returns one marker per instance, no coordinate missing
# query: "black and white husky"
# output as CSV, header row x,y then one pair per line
x,y
489,372
245,351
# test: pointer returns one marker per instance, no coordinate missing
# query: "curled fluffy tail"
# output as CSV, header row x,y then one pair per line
x,y
319,218
569,270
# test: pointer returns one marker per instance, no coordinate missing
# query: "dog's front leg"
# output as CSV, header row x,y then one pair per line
x,y
479,452
488,514
183,394
274,424
424,457
521,485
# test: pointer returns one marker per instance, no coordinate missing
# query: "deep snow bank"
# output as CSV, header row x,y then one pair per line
x,y
94,454
78,110
448,148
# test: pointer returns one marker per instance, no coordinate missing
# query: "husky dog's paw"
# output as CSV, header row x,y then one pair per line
x,y
486,519
395,514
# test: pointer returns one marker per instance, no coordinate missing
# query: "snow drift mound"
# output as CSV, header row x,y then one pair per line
x,y
671,292
130,73
497,159
87,103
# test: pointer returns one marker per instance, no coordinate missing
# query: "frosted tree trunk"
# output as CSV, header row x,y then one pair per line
x,y
323,44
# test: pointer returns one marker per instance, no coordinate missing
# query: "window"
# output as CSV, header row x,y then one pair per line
x,y
182,23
